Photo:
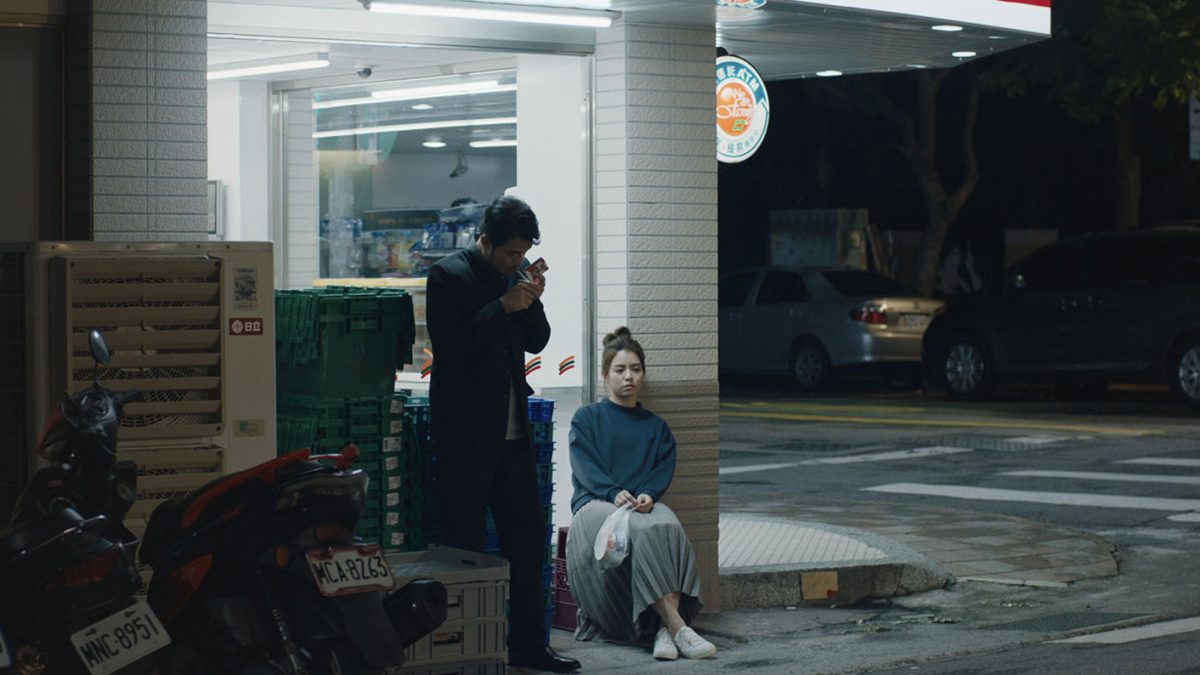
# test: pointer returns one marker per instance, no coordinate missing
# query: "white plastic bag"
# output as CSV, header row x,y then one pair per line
x,y
612,541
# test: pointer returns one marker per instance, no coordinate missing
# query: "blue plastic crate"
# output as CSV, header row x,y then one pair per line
x,y
541,409
543,453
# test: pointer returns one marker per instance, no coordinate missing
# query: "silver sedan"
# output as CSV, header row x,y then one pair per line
x,y
807,322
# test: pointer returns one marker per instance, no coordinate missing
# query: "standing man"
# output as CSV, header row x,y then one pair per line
x,y
482,319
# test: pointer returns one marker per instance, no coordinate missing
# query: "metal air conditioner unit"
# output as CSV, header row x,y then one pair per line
x,y
190,325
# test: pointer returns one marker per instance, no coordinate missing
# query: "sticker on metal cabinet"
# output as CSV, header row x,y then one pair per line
x,y
350,569
120,639
246,326
249,427
245,287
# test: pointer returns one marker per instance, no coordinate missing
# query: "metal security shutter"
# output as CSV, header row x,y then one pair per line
x,y
162,320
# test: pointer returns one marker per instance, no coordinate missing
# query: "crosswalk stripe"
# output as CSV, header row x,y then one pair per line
x,y
915,453
1060,498
1097,475
1185,517
726,471
1163,461
1148,632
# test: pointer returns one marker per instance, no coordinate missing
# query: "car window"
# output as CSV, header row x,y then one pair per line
x,y
732,290
856,283
1125,263
1061,268
781,288
1186,261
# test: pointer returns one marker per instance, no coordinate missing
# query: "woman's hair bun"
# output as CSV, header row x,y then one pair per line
x,y
617,334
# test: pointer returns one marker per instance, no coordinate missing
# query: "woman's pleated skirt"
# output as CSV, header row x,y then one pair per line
x,y
618,603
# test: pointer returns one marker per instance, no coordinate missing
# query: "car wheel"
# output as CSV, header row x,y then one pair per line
x,y
967,369
810,365
1185,376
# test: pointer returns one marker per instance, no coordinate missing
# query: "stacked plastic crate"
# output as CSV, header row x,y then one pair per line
x,y
541,426
337,351
472,640
541,422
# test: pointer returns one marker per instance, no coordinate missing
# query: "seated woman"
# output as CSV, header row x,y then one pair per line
x,y
621,453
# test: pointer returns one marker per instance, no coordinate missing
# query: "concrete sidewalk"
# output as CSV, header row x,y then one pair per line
x,y
779,557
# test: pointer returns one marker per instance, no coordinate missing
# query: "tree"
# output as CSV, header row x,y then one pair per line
x,y
1107,58
918,128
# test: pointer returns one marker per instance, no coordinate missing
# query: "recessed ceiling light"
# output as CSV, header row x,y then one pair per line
x,y
916,65
494,143
478,10
947,28
962,55
422,106
283,64
828,73
434,144
997,37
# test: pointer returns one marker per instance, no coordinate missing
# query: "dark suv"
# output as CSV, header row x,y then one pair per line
x,y
1114,307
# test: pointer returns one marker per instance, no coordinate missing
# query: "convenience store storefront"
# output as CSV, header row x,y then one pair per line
x,y
607,131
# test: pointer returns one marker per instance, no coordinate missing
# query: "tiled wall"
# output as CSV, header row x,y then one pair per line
x,y
656,244
301,204
136,119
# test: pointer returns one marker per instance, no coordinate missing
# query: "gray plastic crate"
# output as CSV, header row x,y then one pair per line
x,y
458,641
485,667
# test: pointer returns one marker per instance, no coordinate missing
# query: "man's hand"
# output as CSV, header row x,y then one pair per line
x,y
624,497
521,295
644,503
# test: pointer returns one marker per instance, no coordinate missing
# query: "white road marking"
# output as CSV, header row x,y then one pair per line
x,y
1193,517
1163,461
1148,632
915,453
725,471
1095,475
1061,498
1037,440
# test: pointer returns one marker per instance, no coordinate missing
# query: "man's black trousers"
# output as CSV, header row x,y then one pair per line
x,y
506,481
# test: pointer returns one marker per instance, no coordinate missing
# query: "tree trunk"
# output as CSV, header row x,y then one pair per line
x,y
1129,168
941,208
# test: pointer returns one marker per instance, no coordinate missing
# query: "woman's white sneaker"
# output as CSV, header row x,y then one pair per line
x,y
664,646
693,646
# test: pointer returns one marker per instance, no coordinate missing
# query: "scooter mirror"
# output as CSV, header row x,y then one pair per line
x,y
99,347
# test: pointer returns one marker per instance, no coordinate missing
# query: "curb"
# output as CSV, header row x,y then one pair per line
x,y
828,586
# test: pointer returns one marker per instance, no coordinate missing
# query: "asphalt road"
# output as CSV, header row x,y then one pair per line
x,y
1124,466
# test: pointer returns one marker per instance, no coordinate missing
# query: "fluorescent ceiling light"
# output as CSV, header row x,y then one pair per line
x,y
413,93
283,64
434,144
497,143
828,73
962,55
947,28
422,106
417,126
492,12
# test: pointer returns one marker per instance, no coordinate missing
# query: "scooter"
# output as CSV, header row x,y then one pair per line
x,y
67,574
79,443
260,572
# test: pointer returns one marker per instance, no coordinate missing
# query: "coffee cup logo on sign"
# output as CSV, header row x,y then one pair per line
x,y
743,109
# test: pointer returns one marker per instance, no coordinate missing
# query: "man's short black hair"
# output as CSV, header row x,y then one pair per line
x,y
508,218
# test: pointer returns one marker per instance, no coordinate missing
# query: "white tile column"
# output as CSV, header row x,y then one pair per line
x,y
136,120
656,245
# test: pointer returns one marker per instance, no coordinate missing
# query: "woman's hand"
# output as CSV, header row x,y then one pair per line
x,y
623,497
644,503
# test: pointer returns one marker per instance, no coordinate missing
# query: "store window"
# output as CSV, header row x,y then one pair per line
x,y
406,167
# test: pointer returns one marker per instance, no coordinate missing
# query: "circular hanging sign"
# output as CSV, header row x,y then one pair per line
x,y
742,109
748,4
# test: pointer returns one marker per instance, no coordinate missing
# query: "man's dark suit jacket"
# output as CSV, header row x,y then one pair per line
x,y
478,350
